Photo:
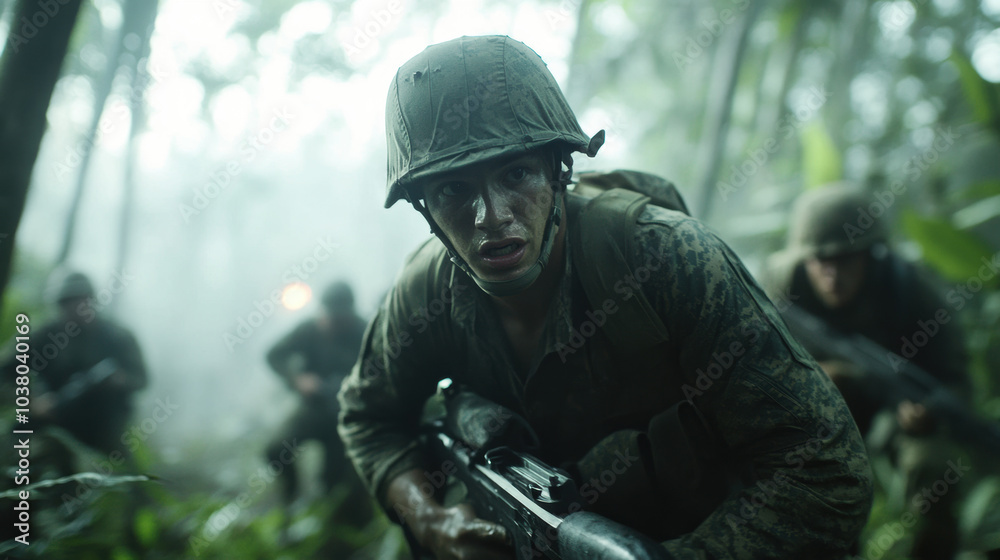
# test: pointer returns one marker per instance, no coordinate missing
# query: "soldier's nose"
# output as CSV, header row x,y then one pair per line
x,y
493,211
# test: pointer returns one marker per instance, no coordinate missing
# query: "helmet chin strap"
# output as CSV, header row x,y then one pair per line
x,y
517,285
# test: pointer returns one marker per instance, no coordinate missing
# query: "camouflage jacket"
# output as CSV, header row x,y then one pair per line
x,y
805,483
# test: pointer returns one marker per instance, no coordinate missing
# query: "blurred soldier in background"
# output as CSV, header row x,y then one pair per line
x,y
87,369
837,267
314,359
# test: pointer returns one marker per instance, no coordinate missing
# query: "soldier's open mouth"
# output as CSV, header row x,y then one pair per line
x,y
503,257
501,251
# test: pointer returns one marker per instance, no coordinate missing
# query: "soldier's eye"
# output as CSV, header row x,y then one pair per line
x,y
453,188
517,174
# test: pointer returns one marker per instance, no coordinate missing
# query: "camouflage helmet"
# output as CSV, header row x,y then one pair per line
x,y
833,220
338,297
74,285
471,99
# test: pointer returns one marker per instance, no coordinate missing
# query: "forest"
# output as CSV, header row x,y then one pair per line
x,y
211,166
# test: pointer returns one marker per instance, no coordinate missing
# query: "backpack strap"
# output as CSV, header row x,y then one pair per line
x,y
601,237
660,191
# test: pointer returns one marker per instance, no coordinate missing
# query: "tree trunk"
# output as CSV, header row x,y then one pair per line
x,y
143,13
852,42
768,118
102,90
721,108
769,60
576,91
29,70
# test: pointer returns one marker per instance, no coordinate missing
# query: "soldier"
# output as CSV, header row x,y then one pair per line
x,y
844,274
740,446
314,359
88,368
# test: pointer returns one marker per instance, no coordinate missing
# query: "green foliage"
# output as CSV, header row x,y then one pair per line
x,y
980,515
87,515
978,191
881,516
983,96
14,304
146,529
95,480
23,293
954,253
161,525
122,554
820,158
788,18
983,326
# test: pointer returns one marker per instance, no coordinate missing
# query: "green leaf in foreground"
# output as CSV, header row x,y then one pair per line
x,y
982,95
955,254
90,478
978,191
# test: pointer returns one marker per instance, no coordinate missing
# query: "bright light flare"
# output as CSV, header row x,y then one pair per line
x,y
296,295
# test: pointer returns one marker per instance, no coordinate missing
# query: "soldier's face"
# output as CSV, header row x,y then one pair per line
x,y
494,213
837,280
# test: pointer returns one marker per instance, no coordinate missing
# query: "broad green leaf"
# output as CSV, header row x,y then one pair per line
x,y
978,191
981,505
956,254
820,158
981,94
977,213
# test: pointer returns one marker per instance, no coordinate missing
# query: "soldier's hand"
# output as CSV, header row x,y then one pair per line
x,y
44,406
914,418
307,384
119,380
450,533
455,533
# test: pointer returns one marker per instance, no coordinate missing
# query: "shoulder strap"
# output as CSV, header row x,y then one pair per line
x,y
601,237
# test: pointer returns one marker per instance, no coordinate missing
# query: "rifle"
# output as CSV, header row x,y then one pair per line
x,y
537,504
83,381
897,379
